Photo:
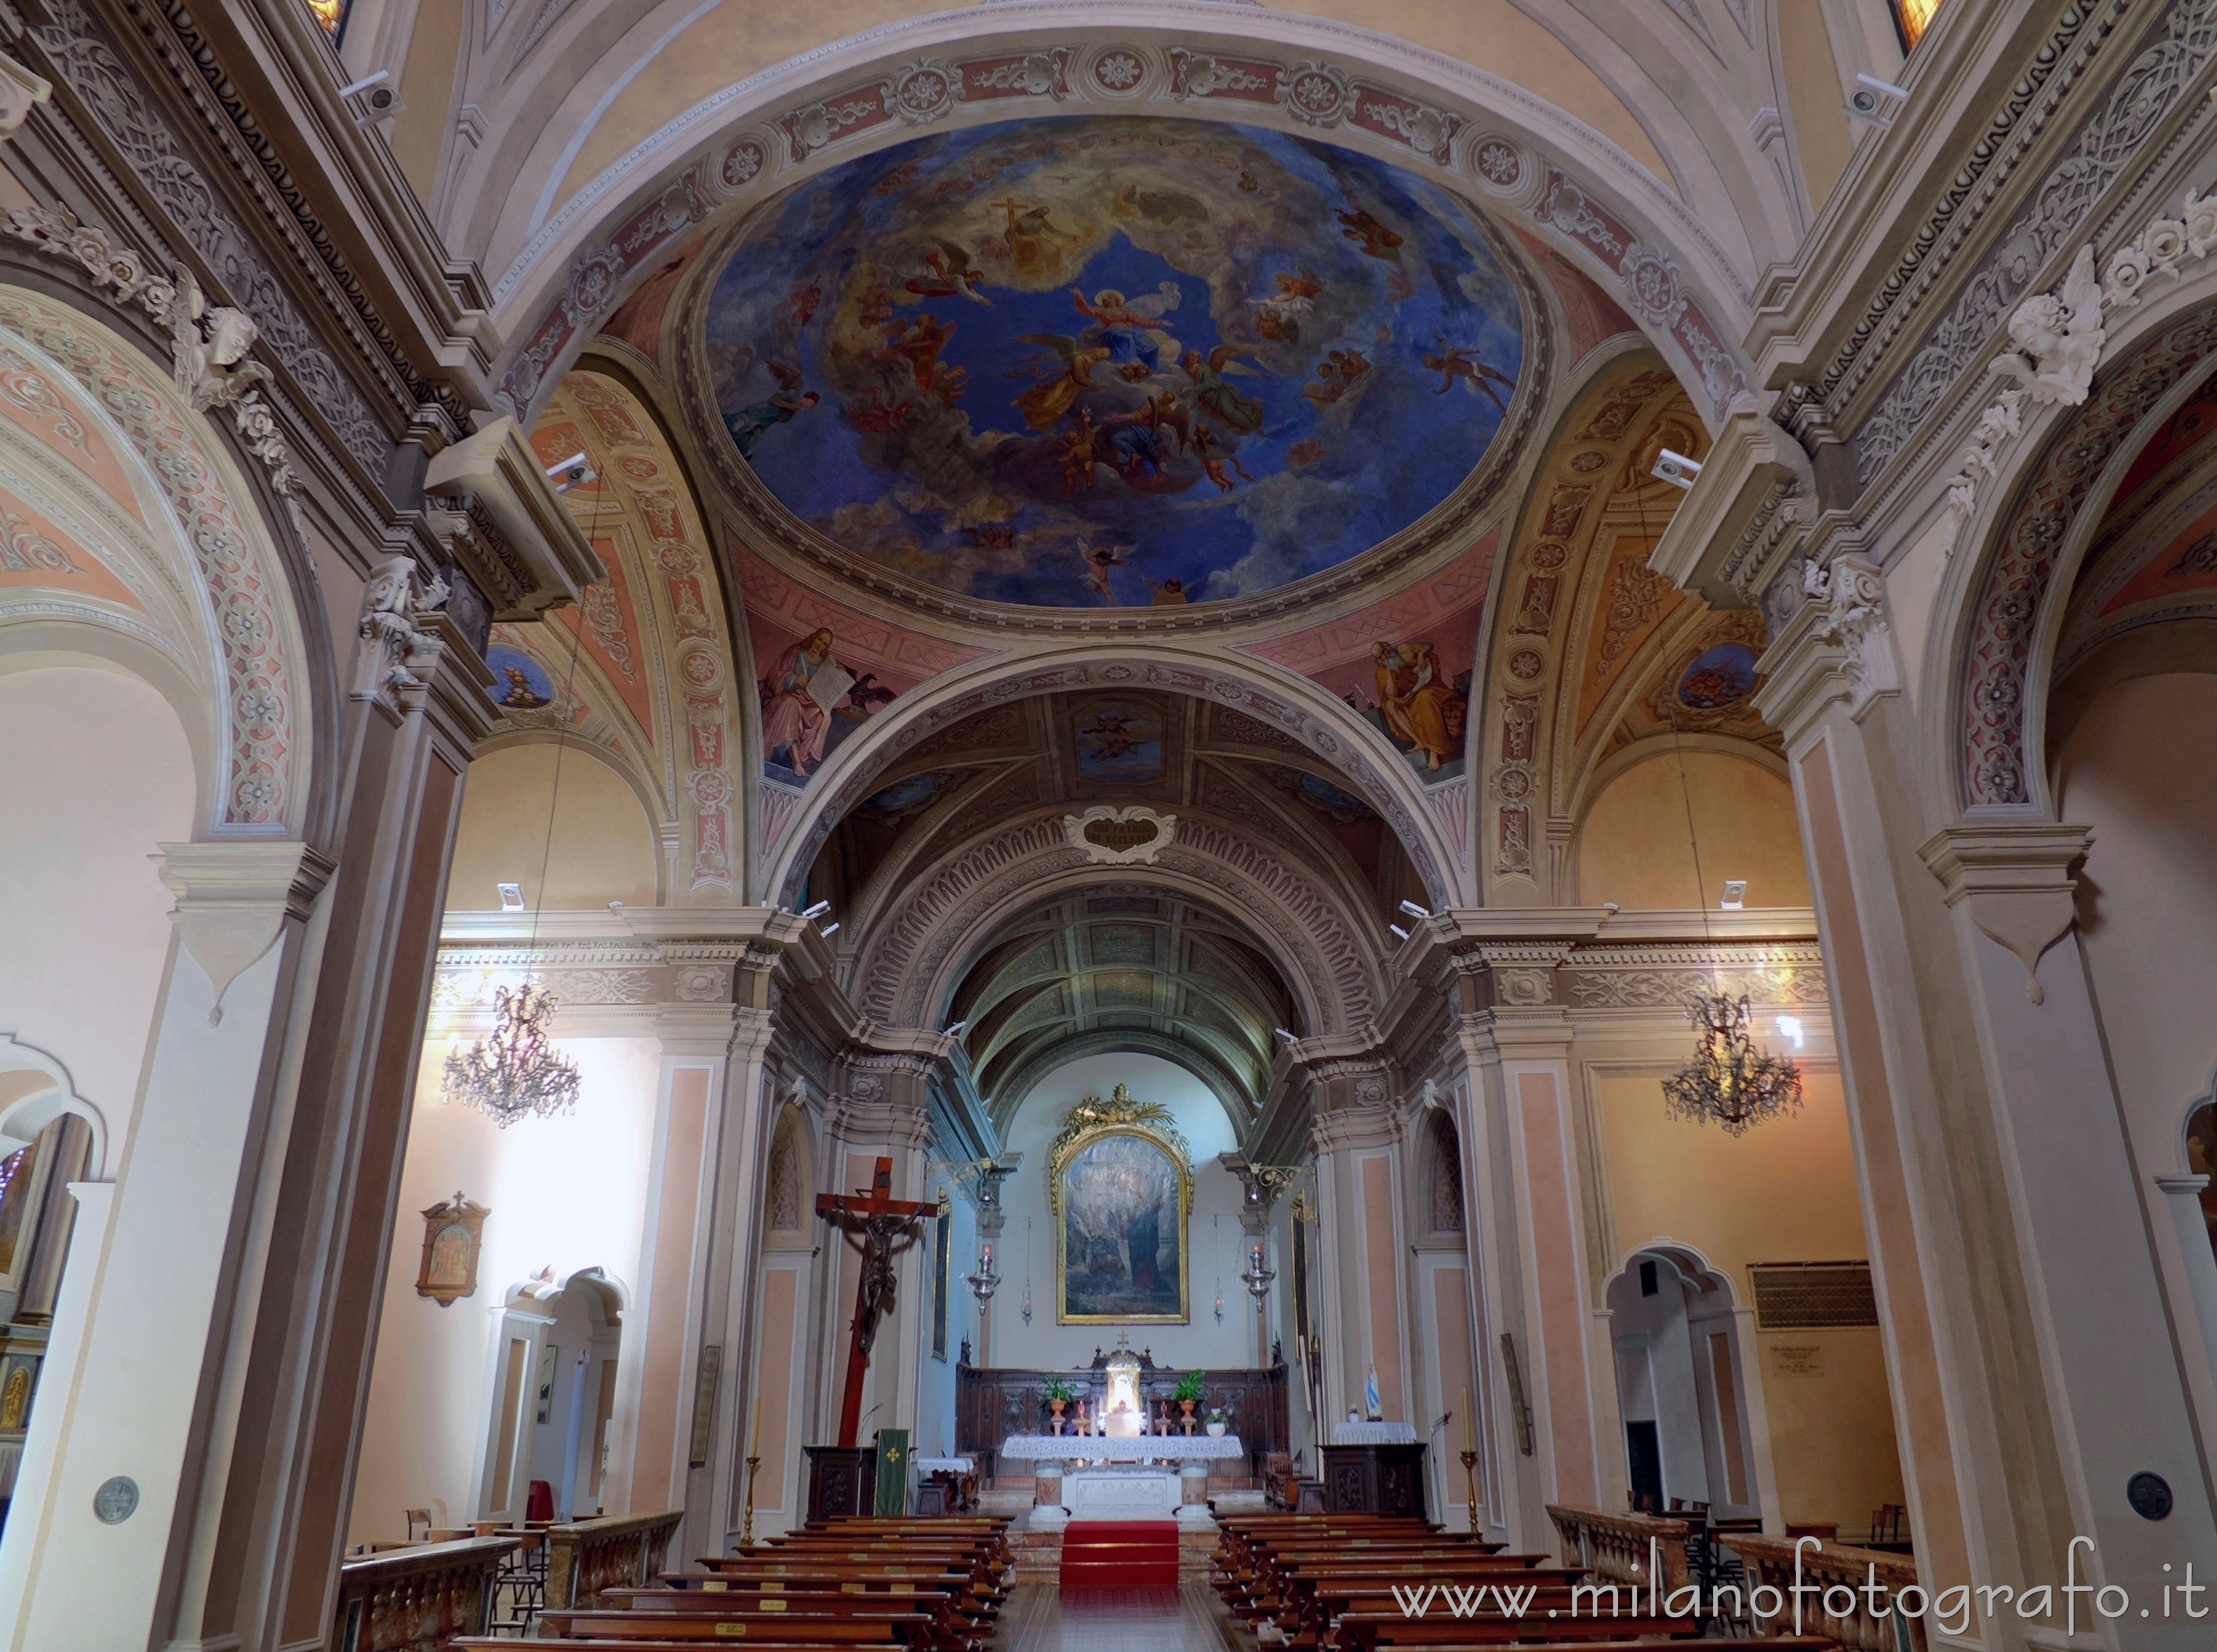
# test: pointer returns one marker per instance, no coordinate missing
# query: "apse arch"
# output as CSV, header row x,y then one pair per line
x,y
1571,188
182,583
1281,699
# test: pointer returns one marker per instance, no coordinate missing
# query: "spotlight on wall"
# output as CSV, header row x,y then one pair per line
x,y
1398,930
828,930
511,898
1415,912
1735,894
1875,101
1675,468
817,910
1286,1035
1789,1026
956,1031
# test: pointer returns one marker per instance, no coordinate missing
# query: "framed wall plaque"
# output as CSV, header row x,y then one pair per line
x,y
454,1234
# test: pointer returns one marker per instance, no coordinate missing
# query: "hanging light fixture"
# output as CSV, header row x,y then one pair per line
x,y
1728,1079
1028,1271
1216,1247
513,1072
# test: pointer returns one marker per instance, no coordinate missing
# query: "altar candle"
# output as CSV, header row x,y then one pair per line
x,y
1469,1428
755,1449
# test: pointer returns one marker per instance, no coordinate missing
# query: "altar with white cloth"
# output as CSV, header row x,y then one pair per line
x,y
1136,1477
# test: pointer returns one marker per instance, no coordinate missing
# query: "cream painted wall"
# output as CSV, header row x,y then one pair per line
x,y
427,86
1785,1192
2140,768
603,848
734,40
1912,589
568,1193
1632,846
97,772
1813,83
1200,1116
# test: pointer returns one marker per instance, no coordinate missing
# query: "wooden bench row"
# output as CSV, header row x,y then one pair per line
x,y
913,1586
1368,1583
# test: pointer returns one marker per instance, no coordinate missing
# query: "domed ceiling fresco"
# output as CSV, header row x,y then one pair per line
x,y
1115,362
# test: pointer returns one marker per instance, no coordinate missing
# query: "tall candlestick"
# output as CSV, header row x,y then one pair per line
x,y
1469,1424
753,1448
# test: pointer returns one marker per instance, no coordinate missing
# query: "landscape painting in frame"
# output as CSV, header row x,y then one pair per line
x,y
1120,1248
1113,362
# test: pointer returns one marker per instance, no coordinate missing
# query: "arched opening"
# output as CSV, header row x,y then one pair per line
x,y
1689,1437
552,1399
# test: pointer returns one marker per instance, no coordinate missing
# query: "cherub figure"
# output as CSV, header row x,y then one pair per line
x,y
208,344
1099,560
2058,337
1464,366
954,275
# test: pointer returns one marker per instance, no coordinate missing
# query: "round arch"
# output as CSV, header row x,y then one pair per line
x,y
1569,186
1291,704
190,592
2000,611
909,970
24,1116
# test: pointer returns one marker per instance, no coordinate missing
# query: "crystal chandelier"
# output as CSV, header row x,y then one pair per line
x,y
514,1072
1728,1079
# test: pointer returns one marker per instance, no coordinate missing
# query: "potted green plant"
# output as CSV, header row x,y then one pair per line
x,y
1058,1396
1187,1395
1216,1424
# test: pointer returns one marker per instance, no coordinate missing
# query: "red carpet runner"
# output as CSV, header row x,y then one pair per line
x,y
1120,1554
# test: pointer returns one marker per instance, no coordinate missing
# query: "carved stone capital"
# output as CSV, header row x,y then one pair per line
x,y
1353,1128
1521,972
401,648
1838,647
2013,879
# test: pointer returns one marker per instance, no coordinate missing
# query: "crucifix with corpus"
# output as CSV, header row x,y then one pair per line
x,y
881,1218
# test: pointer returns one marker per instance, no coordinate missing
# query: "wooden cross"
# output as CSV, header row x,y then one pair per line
x,y
882,1217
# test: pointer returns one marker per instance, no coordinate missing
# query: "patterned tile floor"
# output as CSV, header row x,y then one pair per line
x,y
1041,1617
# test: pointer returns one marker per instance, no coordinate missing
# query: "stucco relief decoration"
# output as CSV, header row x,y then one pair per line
x,y
395,604
2178,44
595,277
243,610
2017,581
922,92
1652,282
1120,71
1498,163
743,164
1117,837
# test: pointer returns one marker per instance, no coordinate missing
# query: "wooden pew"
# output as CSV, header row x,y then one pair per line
x,y
777,1617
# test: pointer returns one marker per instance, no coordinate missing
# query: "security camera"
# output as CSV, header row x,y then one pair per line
x,y
379,101
1875,102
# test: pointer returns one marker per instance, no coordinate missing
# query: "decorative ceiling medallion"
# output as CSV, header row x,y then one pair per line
x,y
1147,365
1119,837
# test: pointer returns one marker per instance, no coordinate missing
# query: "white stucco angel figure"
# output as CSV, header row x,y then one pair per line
x,y
2058,338
209,344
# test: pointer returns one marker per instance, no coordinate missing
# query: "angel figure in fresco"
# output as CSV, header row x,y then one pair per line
x,y
954,275
520,695
1112,736
1418,706
748,424
1374,237
1046,402
1098,561
1216,458
1218,399
919,344
1169,593
1464,366
798,699
1129,327
1031,237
